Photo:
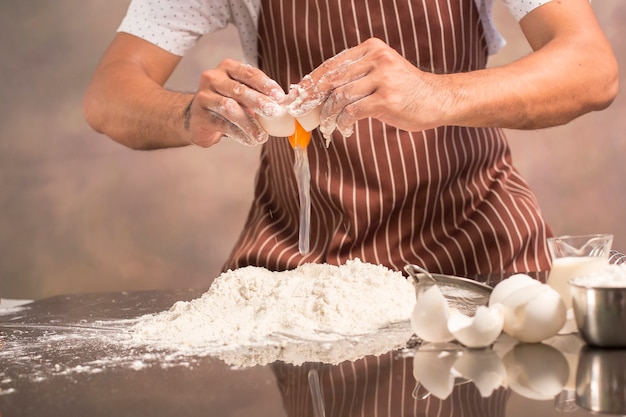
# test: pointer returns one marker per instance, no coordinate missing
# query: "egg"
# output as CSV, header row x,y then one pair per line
x,y
570,323
536,371
478,331
484,368
310,120
432,369
533,313
281,124
429,319
509,285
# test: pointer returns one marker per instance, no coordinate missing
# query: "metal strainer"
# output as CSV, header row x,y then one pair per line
x,y
461,293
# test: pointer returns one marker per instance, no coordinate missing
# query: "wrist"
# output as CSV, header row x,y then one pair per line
x,y
187,114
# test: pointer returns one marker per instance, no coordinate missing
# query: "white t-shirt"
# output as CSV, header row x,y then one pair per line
x,y
176,25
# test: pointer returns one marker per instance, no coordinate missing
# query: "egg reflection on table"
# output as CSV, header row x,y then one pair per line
x,y
532,370
536,370
569,345
438,368
433,368
484,367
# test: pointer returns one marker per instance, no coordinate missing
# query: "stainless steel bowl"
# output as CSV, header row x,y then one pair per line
x,y
600,314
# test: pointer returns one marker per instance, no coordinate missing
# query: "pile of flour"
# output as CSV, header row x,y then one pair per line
x,y
253,306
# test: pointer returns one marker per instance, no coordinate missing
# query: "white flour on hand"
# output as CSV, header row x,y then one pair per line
x,y
254,307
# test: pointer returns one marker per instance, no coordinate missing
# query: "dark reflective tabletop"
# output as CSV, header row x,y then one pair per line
x,y
65,356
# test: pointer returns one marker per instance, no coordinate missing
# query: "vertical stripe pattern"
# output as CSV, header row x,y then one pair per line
x,y
378,386
448,198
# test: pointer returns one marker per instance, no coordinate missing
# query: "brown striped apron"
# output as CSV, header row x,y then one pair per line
x,y
447,199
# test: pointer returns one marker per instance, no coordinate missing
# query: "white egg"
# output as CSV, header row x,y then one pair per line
x,y
280,125
484,367
509,285
310,120
533,314
478,331
433,370
536,371
430,316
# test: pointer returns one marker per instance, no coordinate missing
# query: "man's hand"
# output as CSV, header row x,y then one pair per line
x,y
370,80
226,102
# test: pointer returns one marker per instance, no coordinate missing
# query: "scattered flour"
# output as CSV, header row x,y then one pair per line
x,y
250,316
252,313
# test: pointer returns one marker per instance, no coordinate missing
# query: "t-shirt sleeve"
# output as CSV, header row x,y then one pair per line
x,y
520,8
174,25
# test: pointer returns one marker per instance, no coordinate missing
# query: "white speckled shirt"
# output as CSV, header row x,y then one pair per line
x,y
177,25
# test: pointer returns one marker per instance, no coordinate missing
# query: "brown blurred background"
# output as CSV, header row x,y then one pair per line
x,y
81,213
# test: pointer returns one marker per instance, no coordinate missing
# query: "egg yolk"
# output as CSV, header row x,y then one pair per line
x,y
300,138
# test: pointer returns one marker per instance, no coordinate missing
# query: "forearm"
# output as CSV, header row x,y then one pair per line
x,y
533,92
572,71
135,111
127,102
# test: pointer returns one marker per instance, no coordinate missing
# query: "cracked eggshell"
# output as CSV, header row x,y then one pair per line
x,y
484,367
430,316
478,331
533,313
509,285
536,371
310,120
280,125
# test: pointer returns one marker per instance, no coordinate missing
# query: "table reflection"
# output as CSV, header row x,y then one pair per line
x,y
53,350
450,380
600,380
375,386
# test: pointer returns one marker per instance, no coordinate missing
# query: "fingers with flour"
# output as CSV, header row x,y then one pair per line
x,y
226,102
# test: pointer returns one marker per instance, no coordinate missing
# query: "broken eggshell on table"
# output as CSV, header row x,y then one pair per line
x,y
522,307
